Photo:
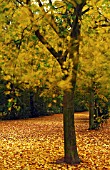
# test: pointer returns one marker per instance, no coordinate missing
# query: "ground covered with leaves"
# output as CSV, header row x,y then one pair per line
x,y
38,144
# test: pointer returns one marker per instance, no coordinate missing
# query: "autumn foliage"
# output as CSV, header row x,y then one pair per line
x,y
38,144
42,44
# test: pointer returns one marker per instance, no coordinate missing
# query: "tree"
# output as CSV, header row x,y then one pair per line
x,y
71,54
56,26
94,69
65,57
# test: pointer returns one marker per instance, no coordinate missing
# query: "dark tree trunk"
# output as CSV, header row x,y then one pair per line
x,y
91,110
70,147
96,108
32,108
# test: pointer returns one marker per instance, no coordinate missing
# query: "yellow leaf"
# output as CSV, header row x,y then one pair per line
x,y
7,92
50,104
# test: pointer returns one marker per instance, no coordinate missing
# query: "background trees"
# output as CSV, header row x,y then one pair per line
x,y
95,64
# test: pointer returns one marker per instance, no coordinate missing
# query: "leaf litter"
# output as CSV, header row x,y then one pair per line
x,y
38,143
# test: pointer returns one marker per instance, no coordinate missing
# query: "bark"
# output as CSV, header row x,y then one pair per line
x,y
96,108
91,110
70,147
32,108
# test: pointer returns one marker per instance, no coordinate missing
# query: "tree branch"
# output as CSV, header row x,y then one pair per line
x,y
27,2
50,1
49,18
83,12
102,25
40,4
47,45
105,18
20,2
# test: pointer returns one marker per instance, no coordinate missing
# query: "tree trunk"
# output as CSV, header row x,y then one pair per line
x,y
91,110
32,108
70,147
96,108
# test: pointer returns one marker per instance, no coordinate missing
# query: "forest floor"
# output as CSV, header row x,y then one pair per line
x,y
37,143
